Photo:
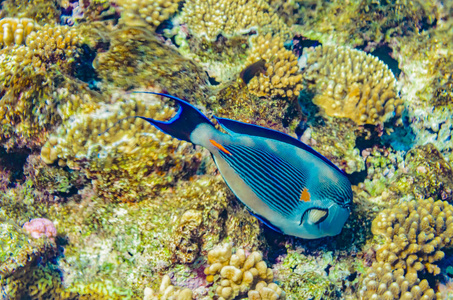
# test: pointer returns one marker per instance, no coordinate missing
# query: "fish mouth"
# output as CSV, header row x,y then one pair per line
x,y
314,215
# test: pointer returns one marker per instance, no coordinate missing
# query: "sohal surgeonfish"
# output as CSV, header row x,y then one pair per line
x,y
286,184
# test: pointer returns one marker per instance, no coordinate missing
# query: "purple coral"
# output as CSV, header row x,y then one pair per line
x,y
39,227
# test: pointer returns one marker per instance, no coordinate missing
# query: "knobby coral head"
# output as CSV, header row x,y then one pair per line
x,y
39,227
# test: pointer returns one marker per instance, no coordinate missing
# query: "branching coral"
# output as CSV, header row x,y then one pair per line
x,y
15,31
415,233
241,273
43,11
150,11
211,18
349,83
281,76
131,159
382,282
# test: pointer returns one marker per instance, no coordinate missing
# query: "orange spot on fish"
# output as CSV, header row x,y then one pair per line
x,y
305,195
220,147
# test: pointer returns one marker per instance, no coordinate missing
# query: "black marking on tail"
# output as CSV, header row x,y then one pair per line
x,y
183,123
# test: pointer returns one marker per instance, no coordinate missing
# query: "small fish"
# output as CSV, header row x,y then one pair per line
x,y
252,70
289,186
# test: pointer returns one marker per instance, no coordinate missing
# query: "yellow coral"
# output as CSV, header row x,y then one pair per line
x,y
153,12
352,84
167,291
15,31
415,233
281,76
209,18
382,282
123,157
241,273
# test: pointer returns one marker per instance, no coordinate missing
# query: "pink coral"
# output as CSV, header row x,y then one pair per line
x,y
39,227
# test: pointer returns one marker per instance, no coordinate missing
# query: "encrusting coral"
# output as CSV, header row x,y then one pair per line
x,y
211,18
415,233
240,274
29,75
15,31
153,12
281,78
383,282
349,83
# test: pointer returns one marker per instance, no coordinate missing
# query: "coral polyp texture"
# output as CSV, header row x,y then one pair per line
x,y
281,77
29,76
119,160
229,18
241,274
350,83
168,291
153,12
415,233
383,282
15,31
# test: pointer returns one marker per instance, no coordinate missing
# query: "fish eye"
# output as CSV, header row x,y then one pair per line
x,y
314,215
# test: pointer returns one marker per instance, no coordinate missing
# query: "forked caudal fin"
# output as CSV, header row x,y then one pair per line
x,y
183,123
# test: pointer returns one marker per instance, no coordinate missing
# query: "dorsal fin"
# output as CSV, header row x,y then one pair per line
x,y
255,130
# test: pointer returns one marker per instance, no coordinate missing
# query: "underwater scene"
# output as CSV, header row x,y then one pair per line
x,y
226,149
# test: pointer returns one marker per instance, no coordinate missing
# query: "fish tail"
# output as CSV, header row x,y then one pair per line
x,y
186,120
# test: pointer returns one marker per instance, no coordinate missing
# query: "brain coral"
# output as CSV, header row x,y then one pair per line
x,y
349,83
231,17
415,233
281,77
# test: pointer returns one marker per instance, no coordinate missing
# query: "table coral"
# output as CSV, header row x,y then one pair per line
x,y
349,83
231,17
282,77
241,273
153,12
415,233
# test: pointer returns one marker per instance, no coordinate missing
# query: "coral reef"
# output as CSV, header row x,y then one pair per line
x,y
41,227
415,233
168,291
15,30
383,282
29,77
240,274
43,11
427,174
144,60
281,78
136,12
349,83
210,18
129,160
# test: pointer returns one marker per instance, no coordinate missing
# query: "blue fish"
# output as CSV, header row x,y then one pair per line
x,y
289,186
